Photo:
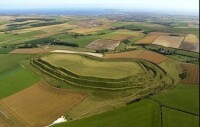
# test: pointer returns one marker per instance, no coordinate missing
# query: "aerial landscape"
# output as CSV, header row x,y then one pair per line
x,y
99,64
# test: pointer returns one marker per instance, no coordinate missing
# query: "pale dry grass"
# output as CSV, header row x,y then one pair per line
x,y
191,38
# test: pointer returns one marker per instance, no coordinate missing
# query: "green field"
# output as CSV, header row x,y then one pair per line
x,y
81,65
173,118
16,80
5,50
142,114
13,76
183,97
8,61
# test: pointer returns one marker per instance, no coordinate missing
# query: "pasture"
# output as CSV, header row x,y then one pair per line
x,y
45,106
10,68
151,37
81,65
138,54
103,44
169,41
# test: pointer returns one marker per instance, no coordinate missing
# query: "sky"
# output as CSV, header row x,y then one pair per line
x,y
178,5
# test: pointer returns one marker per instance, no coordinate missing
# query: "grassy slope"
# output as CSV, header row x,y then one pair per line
x,y
5,50
83,66
172,67
14,77
142,114
184,97
173,118
16,80
8,61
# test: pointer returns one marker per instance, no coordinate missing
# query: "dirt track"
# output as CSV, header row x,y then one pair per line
x,y
76,52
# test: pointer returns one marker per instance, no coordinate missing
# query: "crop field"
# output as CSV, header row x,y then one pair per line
x,y
191,38
103,44
10,68
121,35
138,54
53,103
73,63
192,73
142,114
30,51
86,30
117,37
169,41
148,39
190,46
151,37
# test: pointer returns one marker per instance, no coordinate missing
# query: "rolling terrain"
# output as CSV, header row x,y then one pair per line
x,y
103,71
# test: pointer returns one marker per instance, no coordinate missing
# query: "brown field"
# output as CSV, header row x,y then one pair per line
x,y
3,123
148,39
40,105
138,54
87,30
30,51
169,41
190,46
191,38
152,37
118,37
192,72
103,44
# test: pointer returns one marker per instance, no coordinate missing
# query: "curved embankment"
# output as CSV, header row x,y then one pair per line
x,y
151,75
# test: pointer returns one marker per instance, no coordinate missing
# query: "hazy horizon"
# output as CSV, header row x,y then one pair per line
x,y
170,6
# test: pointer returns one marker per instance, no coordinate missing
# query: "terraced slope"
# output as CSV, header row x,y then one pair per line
x,y
102,74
